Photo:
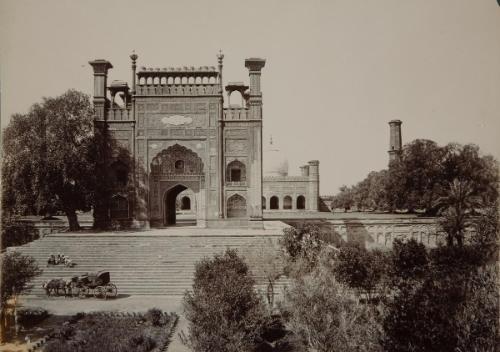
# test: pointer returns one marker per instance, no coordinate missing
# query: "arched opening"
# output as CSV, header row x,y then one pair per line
x,y
236,207
263,203
179,166
118,207
185,203
169,204
236,171
287,202
301,202
274,203
235,99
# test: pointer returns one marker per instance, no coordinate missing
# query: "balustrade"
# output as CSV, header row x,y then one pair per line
x,y
235,114
119,114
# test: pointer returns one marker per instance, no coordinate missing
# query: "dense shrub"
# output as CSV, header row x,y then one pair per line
x,y
444,300
409,262
326,317
28,317
301,244
17,233
155,317
17,271
224,311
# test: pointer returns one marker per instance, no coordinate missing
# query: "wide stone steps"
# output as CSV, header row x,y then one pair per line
x,y
141,265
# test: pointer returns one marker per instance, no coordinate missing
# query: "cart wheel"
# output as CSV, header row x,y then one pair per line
x,y
111,291
83,292
99,292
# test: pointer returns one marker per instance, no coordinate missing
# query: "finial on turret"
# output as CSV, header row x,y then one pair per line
x,y
134,56
220,56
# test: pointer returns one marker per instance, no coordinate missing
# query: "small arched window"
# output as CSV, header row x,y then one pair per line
x,y
301,202
185,203
179,166
263,202
275,203
236,171
287,202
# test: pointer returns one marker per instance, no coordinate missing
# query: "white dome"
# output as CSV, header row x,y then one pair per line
x,y
274,162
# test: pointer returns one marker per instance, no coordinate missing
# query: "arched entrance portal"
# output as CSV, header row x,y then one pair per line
x,y
169,206
175,170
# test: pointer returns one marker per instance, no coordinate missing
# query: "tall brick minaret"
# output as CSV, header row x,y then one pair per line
x,y
395,140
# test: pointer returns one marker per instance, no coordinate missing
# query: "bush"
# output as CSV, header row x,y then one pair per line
x,y
17,271
155,317
302,244
443,301
326,317
17,233
28,317
360,269
224,312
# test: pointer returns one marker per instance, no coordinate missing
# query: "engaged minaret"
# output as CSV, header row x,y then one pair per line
x,y
395,140
101,68
255,66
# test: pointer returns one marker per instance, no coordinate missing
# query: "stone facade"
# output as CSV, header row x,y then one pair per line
x,y
174,126
293,193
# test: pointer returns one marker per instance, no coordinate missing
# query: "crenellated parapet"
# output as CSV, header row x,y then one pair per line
x,y
189,81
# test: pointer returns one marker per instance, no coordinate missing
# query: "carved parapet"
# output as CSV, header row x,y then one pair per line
x,y
177,89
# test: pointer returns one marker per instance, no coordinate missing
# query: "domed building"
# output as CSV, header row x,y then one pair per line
x,y
274,161
282,192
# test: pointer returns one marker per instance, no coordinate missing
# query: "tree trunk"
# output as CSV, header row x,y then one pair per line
x,y
270,293
3,325
72,219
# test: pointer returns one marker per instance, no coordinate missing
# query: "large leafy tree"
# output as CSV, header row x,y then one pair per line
x,y
48,165
415,178
426,174
344,199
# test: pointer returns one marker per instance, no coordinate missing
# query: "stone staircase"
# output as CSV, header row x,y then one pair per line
x,y
157,262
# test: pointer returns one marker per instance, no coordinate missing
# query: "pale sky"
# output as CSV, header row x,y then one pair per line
x,y
337,70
